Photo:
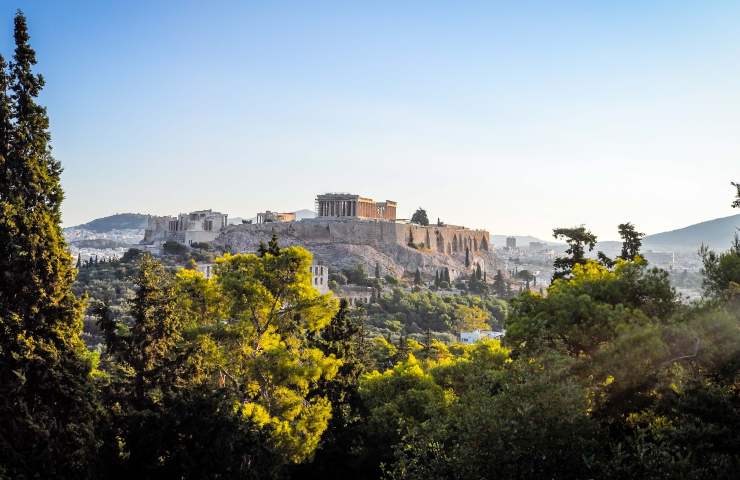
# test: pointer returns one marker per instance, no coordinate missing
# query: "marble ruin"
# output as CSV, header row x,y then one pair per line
x,y
187,228
351,229
272,217
350,205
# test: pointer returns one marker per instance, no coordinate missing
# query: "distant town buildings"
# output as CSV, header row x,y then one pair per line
x,y
536,246
660,259
186,228
320,278
350,205
511,243
272,217
477,335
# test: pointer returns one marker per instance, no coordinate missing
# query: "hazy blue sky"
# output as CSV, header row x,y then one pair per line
x,y
513,116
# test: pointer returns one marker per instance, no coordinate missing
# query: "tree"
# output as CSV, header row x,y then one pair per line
x,y
337,455
266,368
417,277
171,247
527,276
499,284
467,257
377,271
631,241
583,312
578,239
721,271
156,328
272,247
736,202
46,400
420,217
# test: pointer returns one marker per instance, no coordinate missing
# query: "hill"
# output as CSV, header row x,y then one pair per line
x,y
119,221
717,233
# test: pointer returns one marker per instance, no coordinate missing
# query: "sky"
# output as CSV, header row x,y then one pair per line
x,y
516,117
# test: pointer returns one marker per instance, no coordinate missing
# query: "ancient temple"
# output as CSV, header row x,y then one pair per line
x,y
349,205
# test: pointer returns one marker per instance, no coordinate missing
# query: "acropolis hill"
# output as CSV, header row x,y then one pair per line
x,y
352,230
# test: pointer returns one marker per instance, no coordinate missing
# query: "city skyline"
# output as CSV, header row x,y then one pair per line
x,y
513,119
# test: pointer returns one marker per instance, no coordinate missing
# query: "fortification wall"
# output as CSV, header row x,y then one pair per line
x,y
344,242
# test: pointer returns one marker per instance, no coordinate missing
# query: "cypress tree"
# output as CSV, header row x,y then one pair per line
x,y
79,261
417,277
467,257
46,399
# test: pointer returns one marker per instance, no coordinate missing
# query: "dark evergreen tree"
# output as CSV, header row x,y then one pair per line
x,y
377,271
420,217
578,239
338,456
478,273
499,284
467,257
736,202
46,400
78,265
631,241
417,277
272,247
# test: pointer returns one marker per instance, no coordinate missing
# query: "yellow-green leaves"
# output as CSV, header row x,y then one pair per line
x,y
253,319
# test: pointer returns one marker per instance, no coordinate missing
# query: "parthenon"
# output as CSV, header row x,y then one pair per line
x,y
349,205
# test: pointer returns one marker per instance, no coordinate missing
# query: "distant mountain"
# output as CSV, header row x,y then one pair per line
x,y
301,214
717,233
119,221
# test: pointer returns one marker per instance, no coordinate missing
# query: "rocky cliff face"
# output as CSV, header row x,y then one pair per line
x,y
345,243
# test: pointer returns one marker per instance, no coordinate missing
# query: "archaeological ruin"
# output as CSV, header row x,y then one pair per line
x,y
350,205
351,230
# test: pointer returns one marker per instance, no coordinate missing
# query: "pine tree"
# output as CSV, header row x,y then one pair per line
x,y
46,399
578,239
631,241
272,247
499,284
155,330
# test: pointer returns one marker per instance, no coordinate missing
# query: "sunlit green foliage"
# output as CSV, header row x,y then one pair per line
x,y
589,308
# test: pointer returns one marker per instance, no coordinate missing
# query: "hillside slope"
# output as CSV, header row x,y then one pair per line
x,y
119,221
717,233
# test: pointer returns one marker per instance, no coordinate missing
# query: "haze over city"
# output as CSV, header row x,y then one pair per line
x,y
515,118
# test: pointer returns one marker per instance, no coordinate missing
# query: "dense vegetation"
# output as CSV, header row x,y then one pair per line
x,y
253,374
